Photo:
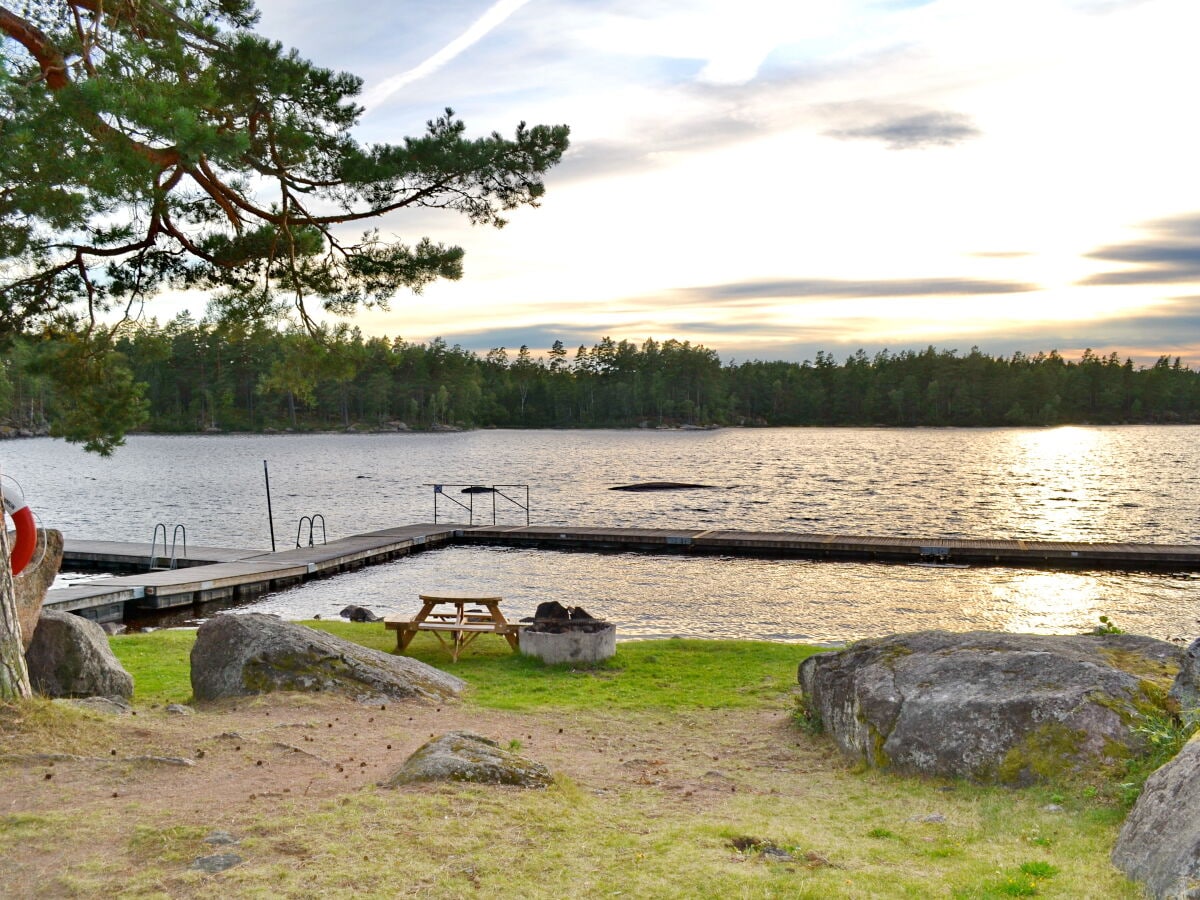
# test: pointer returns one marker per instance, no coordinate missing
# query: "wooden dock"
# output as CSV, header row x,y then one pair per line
x,y
1034,554
210,574
223,574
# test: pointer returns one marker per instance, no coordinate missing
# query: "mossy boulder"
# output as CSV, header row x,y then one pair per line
x,y
70,657
1159,844
991,707
239,655
1186,689
466,757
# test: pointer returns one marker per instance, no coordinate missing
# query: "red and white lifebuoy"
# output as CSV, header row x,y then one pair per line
x,y
22,516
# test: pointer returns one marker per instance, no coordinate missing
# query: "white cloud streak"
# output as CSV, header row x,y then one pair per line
x,y
492,17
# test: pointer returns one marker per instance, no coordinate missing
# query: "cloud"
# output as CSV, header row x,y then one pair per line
x,y
825,288
493,16
538,338
1170,254
913,131
1104,7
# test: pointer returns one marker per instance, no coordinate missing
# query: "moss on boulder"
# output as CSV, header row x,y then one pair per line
x,y
238,655
1012,708
462,756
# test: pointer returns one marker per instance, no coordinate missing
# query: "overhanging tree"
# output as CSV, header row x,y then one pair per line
x,y
149,145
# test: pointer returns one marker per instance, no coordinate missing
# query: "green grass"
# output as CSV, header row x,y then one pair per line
x,y
850,833
668,674
159,663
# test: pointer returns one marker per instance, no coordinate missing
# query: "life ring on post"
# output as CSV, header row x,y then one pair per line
x,y
22,516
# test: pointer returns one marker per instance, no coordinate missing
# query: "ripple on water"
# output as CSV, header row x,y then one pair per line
x,y
931,483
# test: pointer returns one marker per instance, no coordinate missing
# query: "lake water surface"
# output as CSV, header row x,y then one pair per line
x,y
1128,483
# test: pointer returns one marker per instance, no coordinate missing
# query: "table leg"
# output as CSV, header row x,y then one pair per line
x,y
404,637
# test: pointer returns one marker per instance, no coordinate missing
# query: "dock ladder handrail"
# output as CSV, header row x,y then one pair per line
x,y
177,531
312,520
439,490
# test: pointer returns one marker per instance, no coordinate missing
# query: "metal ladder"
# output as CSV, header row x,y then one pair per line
x,y
312,521
177,531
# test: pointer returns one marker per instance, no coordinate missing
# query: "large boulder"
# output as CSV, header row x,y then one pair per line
x,y
31,585
462,756
238,655
1010,708
70,657
1159,844
1186,689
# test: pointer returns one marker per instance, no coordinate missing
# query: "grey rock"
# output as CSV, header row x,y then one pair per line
x,y
991,707
240,655
461,756
1186,689
107,705
359,614
181,761
218,862
221,838
70,657
777,854
29,588
1159,844
1052,808
178,709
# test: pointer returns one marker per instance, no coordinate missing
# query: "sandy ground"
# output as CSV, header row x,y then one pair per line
x,y
229,764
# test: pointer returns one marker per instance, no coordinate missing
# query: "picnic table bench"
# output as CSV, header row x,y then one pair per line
x,y
461,623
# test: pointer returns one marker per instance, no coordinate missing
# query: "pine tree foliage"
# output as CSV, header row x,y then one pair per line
x,y
148,145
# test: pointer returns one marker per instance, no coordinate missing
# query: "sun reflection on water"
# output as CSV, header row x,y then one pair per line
x,y
1057,476
1047,602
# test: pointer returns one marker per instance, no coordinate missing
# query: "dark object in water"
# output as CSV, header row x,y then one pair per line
x,y
477,489
359,614
660,486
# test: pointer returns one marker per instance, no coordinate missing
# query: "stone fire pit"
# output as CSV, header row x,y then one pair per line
x,y
560,634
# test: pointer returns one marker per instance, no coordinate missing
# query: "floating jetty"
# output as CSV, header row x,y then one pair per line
x,y
209,574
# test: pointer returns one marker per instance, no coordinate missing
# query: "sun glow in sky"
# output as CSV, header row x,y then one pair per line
x,y
773,178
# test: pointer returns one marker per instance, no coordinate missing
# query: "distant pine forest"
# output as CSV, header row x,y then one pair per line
x,y
199,376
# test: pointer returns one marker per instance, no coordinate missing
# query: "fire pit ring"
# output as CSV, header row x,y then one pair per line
x,y
559,634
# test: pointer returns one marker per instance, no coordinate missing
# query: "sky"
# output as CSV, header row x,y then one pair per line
x,y
772,178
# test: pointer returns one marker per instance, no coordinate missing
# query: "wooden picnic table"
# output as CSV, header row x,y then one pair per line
x,y
463,616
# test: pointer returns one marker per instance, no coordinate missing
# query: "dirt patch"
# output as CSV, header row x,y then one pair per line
x,y
232,764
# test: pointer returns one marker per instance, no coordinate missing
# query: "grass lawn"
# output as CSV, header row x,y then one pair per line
x,y
680,772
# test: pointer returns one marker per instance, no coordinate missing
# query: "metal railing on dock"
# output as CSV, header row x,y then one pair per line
x,y
312,521
177,530
474,490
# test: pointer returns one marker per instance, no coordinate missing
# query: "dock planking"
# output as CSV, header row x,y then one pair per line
x,y
225,574
209,574
1039,554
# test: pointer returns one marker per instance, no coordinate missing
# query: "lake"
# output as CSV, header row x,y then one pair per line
x,y
1128,483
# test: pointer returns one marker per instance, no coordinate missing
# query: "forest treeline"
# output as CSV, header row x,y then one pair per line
x,y
199,376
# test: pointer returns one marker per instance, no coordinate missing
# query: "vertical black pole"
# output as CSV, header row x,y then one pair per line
x,y
270,517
